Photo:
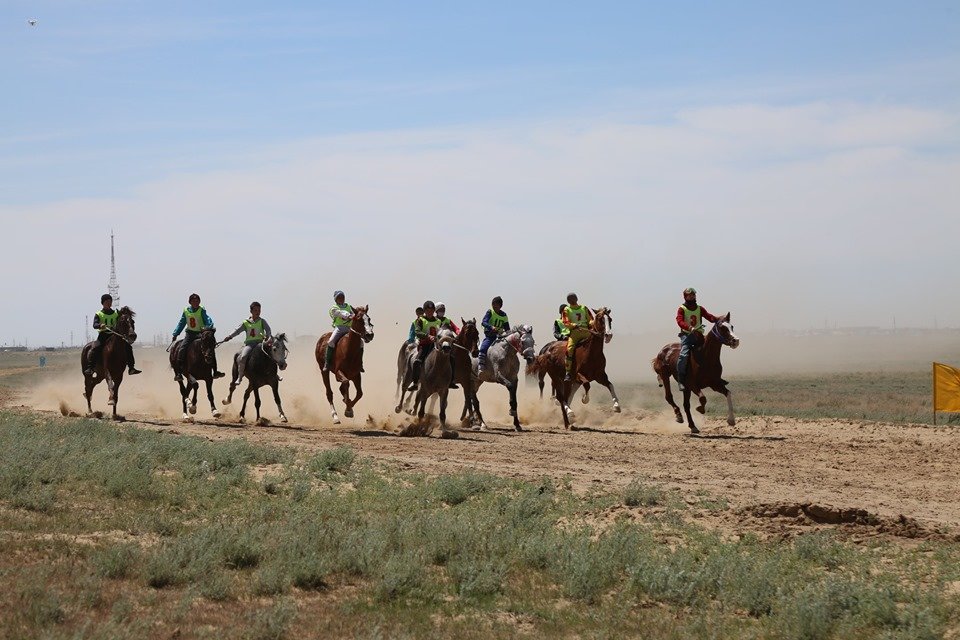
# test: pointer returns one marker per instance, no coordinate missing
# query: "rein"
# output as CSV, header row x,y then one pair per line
x,y
119,335
715,332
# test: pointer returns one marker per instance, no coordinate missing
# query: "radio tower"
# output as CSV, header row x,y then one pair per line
x,y
114,287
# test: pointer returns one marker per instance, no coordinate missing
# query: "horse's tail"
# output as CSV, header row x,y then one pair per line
x,y
657,364
535,367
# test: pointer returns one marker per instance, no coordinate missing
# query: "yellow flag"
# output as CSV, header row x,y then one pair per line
x,y
946,388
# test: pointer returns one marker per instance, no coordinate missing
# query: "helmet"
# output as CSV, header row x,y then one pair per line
x,y
440,305
689,291
192,296
337,294
429,305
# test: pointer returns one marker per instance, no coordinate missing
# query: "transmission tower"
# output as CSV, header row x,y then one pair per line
x,y
114,287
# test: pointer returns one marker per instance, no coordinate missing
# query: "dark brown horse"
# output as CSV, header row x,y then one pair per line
x,y
703,371
589,364
200,361
264,363
112,361
346,361
464,347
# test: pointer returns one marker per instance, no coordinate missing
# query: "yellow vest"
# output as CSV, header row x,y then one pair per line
x,y
692,318
254,331
578,315
107,321
428,327
564,329
194,319
497,321
337,320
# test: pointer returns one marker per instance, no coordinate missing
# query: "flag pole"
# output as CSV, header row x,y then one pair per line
x,y
934,380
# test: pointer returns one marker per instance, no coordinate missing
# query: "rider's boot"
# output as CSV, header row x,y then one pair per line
x,y
91,368
328,358
417,365
453,377
132,370
568,365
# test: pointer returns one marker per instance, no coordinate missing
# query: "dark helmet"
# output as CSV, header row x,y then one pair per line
x,y
105,297
497,300
254,304
689,291
429,305
192,296
572,295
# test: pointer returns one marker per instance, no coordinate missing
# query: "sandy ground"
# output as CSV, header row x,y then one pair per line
x,y
778,475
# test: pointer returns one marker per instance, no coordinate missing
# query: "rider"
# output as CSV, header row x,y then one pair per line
x,y
426,328
576,319
255,330
560,330
104,321
447,323
342,315
689,319
495,324
195,320
412,336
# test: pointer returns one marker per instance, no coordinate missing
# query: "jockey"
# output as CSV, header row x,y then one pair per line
x,y
426,331
412,336
576,319
195,320
495,324
689,319
560,330
342,315
255,330
104,321
447,323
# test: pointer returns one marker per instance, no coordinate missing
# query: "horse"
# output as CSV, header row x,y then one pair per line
x,y
464,347
113,359
262,365
703,371
503,367
346,360
200,359
589,365
435,378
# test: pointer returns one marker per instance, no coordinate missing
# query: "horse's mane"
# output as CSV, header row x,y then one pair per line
x,y
125,310
281,338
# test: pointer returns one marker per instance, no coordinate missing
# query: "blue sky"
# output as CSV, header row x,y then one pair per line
x,y
729,112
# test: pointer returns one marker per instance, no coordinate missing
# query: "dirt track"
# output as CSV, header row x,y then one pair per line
x,y
895,479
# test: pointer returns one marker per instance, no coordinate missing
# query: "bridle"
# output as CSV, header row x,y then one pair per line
x,y
715,332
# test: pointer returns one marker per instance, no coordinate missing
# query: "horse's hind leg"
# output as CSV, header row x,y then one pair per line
x,y
668,395
686,409
345,387
613,393
702,407
276,398
243,407
586,394
333,407
256,402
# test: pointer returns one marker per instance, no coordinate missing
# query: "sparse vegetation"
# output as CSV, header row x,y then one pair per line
x,y
187,535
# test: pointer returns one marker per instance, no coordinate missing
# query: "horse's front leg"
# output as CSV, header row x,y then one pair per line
x,y
566,402
88,385
731,419
348,412
256,402
275,385
111,388
443,410
116,399
184,397
613,393
213,405
195,388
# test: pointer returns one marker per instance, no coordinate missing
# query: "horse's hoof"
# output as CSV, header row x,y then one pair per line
x,y
241,420
513,412
694,430
574,427
409,412
517,427
585,400
110,403
449,434
216,413
732,422
187,418
283,418
679,419
336,421
702,409
193,409
616,408
225,402
348,413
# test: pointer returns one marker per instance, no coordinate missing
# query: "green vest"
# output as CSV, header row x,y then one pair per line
x,y
426,327
578,315
253,331
497,321
107,320
445,322
564,329
692,318
337,320
194,319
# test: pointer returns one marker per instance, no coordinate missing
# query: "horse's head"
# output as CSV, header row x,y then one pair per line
x,y
445,340
362,324
603,323
469,337
723,331
276,348
125,324
208,345
527,343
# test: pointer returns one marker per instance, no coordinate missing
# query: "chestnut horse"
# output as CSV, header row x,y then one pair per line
x,y
113,359
199,366
346,360
589,365
703,371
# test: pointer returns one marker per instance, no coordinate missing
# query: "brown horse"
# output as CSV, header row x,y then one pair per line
x,y
589,364
464,347
346,361
703,371
200,362
113,359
